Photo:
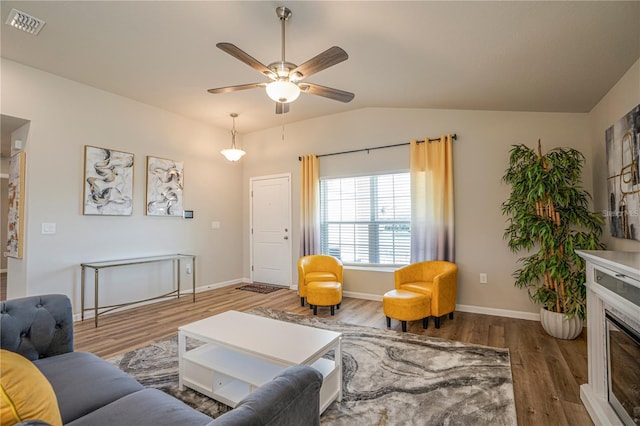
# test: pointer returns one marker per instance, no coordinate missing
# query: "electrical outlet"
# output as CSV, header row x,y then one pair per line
x,y
483,278
188,268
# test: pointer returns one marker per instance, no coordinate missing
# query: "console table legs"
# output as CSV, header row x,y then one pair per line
x,y
95,296
82,293
96,266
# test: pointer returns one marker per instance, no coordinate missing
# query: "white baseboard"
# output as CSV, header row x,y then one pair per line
x,y
461,308
498,312
365,296
217,285
90,314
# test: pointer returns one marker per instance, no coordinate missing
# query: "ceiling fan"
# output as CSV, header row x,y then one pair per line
x,y
286,78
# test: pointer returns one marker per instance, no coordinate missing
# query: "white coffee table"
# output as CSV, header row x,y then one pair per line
x,y
244,351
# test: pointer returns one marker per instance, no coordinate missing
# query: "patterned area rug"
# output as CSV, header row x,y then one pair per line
x,y
260,288
389,378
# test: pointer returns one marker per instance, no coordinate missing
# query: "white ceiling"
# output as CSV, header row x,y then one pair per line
x,y
506,55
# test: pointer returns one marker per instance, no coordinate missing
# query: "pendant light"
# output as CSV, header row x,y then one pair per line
x,y
233,153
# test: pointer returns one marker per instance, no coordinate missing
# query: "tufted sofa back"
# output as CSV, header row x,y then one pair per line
x,y
37,326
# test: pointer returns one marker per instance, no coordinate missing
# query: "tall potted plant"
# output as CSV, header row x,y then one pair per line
x,y
549,212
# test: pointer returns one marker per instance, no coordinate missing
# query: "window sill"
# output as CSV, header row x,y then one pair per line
x,y
372,268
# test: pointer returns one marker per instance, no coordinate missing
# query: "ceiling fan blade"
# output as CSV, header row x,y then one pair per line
x,y
327,92
240,54
282,108
328,58
236,88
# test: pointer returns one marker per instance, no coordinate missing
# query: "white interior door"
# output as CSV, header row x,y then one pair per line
x,y
271,230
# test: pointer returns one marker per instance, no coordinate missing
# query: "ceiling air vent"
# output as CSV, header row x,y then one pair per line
x,y
25,22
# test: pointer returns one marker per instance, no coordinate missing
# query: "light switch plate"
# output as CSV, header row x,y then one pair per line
x,y
48,228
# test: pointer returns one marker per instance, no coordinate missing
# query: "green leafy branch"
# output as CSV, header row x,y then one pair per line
x,y
548,210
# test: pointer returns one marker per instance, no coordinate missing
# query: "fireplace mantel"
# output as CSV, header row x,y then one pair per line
x,y
624,268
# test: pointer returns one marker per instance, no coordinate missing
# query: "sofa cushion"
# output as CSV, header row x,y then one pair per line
x,y
26,393
146,407
84,382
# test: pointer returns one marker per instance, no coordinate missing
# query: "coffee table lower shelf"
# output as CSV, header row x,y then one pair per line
x,y
228,376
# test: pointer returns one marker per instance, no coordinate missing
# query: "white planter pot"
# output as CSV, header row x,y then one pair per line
x,y
557,325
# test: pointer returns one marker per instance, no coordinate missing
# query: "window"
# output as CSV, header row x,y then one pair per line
x,y
366,219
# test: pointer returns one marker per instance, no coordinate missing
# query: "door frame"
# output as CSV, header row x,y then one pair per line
x,y
4,228
267,177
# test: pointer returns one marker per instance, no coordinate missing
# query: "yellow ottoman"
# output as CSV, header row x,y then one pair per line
x,y
404,305
324,293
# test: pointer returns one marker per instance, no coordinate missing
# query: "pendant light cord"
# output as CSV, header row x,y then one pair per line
x,y
233,131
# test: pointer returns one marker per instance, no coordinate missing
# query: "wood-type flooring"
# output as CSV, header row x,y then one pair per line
x,y
547,372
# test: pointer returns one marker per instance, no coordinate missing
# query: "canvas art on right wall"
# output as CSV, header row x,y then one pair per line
x,y
623,183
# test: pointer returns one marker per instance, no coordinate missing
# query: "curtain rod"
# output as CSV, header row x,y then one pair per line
x,y
454,137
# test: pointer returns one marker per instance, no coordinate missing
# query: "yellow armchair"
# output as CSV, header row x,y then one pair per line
x,y
317,267
437,278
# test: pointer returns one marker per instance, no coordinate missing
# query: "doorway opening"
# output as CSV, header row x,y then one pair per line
x,y
13,136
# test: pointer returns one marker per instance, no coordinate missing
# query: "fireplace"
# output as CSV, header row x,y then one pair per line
x,y
623,354
612,395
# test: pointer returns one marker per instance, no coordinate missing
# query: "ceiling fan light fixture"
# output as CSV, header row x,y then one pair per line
x,y
283,91
286,77
233,153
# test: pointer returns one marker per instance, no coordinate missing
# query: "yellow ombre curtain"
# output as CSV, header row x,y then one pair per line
x,y
310,206
432,200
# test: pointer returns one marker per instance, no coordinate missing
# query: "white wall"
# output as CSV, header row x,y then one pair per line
x,y
480,158
621,99
65,116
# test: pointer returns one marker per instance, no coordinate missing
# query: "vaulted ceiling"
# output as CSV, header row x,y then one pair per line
x,y
504,55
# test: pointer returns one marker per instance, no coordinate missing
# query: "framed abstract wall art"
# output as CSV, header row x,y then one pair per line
x,y
15,222
108,182
623,181
164,187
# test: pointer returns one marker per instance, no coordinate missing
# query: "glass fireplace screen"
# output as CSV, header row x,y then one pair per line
x,y
623,353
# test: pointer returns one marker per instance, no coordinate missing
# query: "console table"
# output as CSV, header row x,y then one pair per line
x,y
97,266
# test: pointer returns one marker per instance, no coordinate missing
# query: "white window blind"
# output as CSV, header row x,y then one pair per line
x,y
367,219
